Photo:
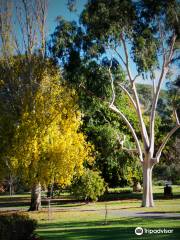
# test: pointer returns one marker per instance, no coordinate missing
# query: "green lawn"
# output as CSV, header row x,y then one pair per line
x,y
122,228
82,226
69,219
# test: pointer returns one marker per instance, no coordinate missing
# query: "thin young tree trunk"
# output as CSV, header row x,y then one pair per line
x,y
35,197
10,185
10,189
147,200
52,188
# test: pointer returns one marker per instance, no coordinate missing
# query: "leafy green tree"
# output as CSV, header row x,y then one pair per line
x,y
168,169
146,33
90,186
68,46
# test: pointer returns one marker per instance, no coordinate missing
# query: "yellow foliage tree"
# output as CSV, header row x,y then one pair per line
x,y
48,143
19,83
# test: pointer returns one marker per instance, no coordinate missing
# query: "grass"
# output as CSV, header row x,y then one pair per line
x,y
74,220
83,226
122,228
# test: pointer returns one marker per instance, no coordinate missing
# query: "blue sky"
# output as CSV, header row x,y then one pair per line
x,y
59,8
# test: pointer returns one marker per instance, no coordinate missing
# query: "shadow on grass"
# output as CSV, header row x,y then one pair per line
x,y
14,201
96,230
122,222
160,215
25,201
160,212
66,205
8,201
134,196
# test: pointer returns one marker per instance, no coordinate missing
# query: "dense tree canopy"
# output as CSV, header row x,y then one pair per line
x,y
44,143
90,78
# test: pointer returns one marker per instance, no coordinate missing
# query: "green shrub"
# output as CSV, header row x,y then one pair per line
x,y
16,226
177,182
159,183
90,186
119,190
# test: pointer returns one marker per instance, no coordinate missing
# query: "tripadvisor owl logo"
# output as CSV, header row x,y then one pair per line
x,y
139,231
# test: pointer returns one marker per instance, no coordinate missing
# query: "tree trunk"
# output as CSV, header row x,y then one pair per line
x,y
10,182
35,197
147,200
52,188
10,189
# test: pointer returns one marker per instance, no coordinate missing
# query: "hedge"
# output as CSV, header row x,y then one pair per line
x,y
17,226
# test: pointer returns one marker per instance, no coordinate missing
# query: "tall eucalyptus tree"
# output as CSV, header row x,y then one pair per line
x,y
143,36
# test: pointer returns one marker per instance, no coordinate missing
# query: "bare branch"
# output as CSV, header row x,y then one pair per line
x,y
127,58
161,31
144,134
121,142
171,51
28,25
112,86
153,88
115,109
5,29
137,75
21,25
129,95
176,117
164,71
119,55
31,19
16,45
130,150
40,12
105,119
147,107
158,154
126,63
